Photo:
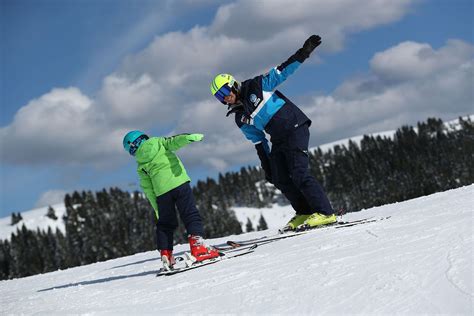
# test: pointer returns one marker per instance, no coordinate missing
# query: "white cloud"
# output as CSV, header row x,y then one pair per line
x,y
126,101
62,126
406,83
254,21
182,63
166,84
411,60
51,197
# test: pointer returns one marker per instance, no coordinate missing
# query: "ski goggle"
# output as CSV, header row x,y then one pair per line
x,y
222,93
136,144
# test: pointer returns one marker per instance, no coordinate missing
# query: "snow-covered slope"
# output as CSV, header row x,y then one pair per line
x,y
34,219
419,261
275,216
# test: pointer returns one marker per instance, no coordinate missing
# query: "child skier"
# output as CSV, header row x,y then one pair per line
x,y
166,185
258,107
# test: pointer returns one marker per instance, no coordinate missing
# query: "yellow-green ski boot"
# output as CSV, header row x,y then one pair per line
x,y
318,219
294,222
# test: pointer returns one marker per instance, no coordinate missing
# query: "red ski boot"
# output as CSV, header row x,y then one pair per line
x,y
167,259
199,249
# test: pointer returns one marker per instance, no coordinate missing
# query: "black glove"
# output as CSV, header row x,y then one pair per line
x,y
265,161
311,43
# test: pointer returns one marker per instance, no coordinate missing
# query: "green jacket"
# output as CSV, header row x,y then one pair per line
x,y
159,169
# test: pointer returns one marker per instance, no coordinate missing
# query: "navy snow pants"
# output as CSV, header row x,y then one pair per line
x,y
183,199
290,173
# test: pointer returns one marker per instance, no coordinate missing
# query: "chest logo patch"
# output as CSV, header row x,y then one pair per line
x,y
254,100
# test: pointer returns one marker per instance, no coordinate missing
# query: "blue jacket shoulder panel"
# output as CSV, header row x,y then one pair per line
x,y
277,75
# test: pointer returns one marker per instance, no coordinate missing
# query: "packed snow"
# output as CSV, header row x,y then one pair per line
x,y
419,261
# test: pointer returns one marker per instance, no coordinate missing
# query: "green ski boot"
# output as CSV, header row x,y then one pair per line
x,y
318,219
294,222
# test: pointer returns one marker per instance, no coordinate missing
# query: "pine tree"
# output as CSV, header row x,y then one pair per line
x,y
73,228
249,226
51,213
62,257
15,219
262,224
5,260
46,249
26,256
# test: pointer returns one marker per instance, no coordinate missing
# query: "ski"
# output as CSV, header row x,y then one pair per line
x,y
226,249
224,256
266,239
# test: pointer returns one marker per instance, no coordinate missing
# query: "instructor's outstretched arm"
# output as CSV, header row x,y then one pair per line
x,y
279,74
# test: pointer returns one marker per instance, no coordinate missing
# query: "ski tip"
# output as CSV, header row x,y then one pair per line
x,y
282,231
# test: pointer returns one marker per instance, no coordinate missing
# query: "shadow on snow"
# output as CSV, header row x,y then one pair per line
x,y
98,281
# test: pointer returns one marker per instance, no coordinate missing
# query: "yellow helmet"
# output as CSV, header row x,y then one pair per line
x,y
222,85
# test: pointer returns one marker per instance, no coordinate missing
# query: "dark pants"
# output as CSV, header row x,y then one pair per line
x,y
290,173
183,199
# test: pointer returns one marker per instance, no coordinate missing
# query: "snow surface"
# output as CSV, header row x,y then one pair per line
x,y
275,216
34,219
420,261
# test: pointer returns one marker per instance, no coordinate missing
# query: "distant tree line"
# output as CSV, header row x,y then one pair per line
x,y
114,223
432,158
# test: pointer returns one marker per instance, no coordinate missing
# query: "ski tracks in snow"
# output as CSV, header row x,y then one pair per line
x,y
458,272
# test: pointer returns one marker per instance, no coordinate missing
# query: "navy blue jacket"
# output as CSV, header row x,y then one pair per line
x,y
266,109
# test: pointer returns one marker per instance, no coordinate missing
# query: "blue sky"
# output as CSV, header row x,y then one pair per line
x,y
77,74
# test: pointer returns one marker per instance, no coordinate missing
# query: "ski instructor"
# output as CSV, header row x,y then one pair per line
x,y
258,107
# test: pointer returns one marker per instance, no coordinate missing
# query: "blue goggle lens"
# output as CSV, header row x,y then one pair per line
x,y
222,93
136,143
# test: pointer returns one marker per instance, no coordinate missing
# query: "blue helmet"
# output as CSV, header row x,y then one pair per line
x,y
133,140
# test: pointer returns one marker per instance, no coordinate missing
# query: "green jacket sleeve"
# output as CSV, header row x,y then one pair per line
x,y
176,142
147,187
